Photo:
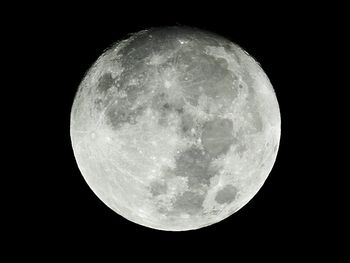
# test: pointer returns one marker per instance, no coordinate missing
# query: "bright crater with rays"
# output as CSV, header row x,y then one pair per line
x,y
175,128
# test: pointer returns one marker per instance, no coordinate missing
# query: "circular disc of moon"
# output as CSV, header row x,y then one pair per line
x,y
175,128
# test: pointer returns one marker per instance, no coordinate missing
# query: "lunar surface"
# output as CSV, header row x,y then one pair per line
x,y
175,128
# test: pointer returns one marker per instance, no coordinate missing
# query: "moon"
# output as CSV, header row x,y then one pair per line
x,y
175,128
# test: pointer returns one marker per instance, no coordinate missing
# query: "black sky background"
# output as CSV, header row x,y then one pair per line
x,y
286,217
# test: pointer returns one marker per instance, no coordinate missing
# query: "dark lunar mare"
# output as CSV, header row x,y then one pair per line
x,y
158,188
217,136
105,83
189,202
226,195
194,164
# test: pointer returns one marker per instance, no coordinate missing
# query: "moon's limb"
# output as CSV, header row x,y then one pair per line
x,y
175,128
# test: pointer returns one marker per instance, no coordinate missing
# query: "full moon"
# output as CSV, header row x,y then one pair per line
x,y
175,128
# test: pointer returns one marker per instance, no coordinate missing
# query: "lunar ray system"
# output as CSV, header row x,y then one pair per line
x,y
175,128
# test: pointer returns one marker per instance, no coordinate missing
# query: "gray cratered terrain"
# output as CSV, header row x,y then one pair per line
x,y
175,128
